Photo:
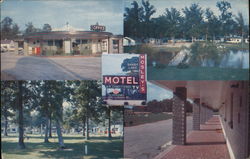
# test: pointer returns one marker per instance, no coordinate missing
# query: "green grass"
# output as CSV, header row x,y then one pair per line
x,y
197,73
98,147
139,48
236,47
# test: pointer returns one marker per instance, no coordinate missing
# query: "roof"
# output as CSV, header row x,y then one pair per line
x,y
129,38
68,34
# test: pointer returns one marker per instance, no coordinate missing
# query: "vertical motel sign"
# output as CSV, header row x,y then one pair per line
x,y
124,79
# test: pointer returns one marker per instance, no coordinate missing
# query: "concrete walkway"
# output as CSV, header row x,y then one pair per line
x,y
208,143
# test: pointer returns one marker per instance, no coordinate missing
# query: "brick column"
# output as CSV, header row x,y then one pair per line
x,y
196,114
202,114
206,113
179,116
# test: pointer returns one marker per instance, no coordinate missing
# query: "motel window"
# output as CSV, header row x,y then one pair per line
x,y
50,43
115,42
59,43
231,110
84,41
78,41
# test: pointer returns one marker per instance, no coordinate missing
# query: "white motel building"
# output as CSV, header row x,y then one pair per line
x,y
72,41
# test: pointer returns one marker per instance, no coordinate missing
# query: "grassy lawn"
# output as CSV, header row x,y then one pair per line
x,y
197,73
98,147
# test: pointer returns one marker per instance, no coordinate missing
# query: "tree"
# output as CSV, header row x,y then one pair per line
x,y
60,93
20,115
9,30
46,28
30,28
133,20
240,25
193,20
87,98
8,90
173,21
200,53
130,64
227,23
148,11
212,24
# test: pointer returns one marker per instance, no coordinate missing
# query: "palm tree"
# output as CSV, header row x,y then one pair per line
x,y
240,24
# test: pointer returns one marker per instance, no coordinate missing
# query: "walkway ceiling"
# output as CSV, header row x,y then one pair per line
x,y
212,93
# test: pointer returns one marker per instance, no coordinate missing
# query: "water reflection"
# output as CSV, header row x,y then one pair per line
x,y
239,59
233,59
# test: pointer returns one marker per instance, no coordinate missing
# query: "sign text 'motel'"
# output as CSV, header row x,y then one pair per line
x,y
120,80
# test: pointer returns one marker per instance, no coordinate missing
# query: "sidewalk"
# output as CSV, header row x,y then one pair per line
x,y
208,143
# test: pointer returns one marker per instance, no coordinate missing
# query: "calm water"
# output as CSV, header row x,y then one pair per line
x,y
238,59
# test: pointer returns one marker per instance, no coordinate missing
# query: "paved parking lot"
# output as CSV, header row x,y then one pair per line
x,y
22,67
148,140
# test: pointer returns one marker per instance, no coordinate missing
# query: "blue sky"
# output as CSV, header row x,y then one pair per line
x,y
158,93
79,13
161,5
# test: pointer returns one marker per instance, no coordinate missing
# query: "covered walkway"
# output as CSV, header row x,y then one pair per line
x,y
208,142
221,118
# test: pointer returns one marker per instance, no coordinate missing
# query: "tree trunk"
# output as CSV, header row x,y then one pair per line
x,y
5,123
109,123
83,128
20,116
46,139
50,126
87,128
59,134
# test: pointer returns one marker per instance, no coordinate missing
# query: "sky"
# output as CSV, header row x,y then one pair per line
x,y
157,93
78,13
161,5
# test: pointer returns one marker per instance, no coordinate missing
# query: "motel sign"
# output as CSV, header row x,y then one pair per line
x,y
124,79
97,28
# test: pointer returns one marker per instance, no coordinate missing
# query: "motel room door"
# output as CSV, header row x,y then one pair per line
x,y
96,46
115,44
67,46
104,46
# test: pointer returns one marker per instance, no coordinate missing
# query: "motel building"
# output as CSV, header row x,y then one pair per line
x,y
221,119
72,41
